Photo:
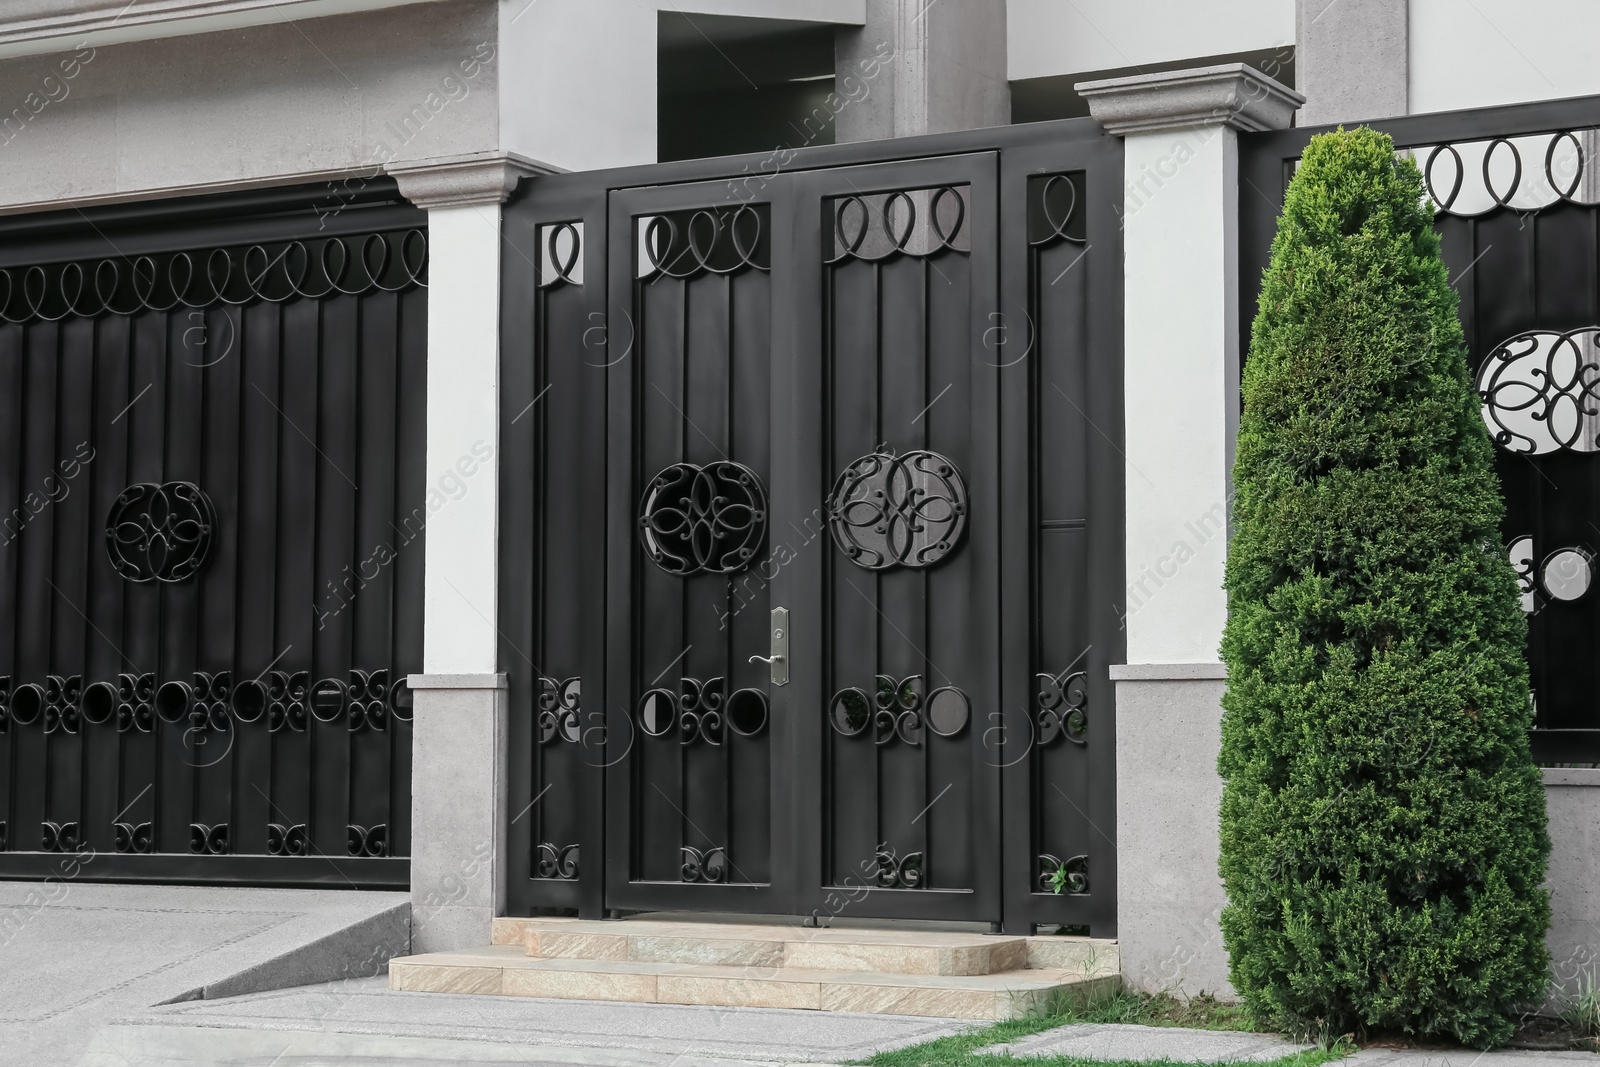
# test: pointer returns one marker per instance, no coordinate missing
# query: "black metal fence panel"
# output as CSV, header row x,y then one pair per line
x,y
1517,198
211,513
812,533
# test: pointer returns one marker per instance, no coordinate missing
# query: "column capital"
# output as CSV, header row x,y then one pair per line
x,y
457,181
1229,94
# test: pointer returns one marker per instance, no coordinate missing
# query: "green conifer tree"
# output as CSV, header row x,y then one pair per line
x,y
1383,823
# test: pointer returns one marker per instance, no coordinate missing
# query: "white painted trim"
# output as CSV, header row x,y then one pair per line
x,y
1168,672
122,21
460,578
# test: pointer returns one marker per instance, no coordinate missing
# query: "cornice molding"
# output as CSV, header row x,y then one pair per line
x,y
457,181
1229,94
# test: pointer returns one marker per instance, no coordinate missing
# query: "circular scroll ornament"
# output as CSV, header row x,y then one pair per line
x,y
707,519
898,511
160,532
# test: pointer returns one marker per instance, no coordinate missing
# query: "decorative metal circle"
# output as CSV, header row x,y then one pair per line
x,y
160,532
850,712
747,712
898,511
708,519
658,710
1567,574
1540,391
948,711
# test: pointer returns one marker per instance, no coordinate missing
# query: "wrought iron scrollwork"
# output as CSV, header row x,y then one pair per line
x,y
708,866
367,840
702,711
208,840
709,519
61,696
557,861
876,226
1540,391
682,244
560,247
286,700
1063,707
235,275
287,839
59,836
898,872
898,511
160,532
1565,574
898,709
1074,874
1053,215
136,838
560,710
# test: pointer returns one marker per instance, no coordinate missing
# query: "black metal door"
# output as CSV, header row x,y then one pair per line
x,y
699,805
894,453
870,399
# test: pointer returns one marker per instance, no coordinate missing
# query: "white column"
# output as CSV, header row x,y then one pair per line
x,y
458,778
1181,388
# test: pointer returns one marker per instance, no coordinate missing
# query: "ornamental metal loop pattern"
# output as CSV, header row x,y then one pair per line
x,y
1063,701
133,837
898,511
160,532
287,839
1053,211
709,519
560,709
557,861
877,226
898,709
560,248
708,866
700,711
1527,172
1075,880
365,841
898,872
682,244
234,275
1540,391
1565,575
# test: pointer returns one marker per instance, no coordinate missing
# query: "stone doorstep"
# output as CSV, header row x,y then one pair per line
x,y
505,970
848,949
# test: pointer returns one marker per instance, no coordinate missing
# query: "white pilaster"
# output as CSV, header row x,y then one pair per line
x,y
1181,294
1180,225
458,779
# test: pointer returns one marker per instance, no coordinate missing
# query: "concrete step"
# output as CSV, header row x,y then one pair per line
x,y
881,951
508,970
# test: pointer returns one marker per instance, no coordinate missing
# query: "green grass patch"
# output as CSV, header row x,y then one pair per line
x,y
1197,1012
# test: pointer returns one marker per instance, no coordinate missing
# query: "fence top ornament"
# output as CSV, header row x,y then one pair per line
x,y
1228,94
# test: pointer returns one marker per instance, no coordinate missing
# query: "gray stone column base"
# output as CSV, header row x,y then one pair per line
x,y
1169,896
458,809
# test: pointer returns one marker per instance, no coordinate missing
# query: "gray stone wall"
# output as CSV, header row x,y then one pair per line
x,y
1352,60
262,105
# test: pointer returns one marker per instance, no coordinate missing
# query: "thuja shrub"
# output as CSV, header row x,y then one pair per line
x,y
1383,823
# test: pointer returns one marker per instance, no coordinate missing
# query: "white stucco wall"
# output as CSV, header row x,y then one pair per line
x,y
1502,52
1047,37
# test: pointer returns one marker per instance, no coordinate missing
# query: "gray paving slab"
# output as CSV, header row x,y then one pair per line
x,y
1385,1057
362,1021
1117,1041
75,956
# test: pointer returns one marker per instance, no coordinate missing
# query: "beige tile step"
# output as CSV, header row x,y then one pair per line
x,y
886,951
509,971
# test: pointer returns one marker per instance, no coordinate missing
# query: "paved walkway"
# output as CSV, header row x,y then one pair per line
x,y
75,956
364,1022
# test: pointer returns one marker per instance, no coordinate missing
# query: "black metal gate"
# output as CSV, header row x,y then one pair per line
x,y
211,494
813,512
1517,193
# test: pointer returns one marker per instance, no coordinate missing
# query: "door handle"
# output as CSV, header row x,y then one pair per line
x,y
779,660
